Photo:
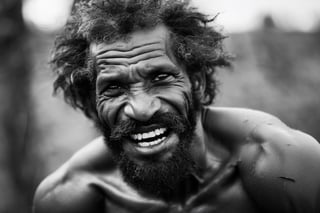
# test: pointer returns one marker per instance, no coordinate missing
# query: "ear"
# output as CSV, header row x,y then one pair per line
x,y
199,85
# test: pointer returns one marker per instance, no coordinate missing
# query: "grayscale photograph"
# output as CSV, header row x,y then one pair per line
x,y
160,106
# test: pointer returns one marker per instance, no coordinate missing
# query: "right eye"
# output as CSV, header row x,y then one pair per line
x,y
113,89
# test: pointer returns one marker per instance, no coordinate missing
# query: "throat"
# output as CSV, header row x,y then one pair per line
x,y
183,190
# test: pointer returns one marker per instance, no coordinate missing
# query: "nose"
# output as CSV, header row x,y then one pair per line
x,y
142,107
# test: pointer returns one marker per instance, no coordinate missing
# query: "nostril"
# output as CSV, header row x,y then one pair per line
x,y
142,109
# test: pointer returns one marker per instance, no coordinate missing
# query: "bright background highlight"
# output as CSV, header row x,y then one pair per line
x,y
235,15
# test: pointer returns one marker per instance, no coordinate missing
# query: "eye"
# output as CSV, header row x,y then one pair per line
x,y
161,77
113,89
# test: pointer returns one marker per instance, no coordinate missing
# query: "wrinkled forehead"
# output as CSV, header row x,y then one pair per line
x,y
142,40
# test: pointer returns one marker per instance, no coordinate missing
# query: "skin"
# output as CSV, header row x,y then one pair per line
x,y
249,161
138,86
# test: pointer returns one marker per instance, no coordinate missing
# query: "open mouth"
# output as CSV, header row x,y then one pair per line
x,y
153,140
150,138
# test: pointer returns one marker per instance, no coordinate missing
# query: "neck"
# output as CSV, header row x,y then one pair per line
x,y
183,190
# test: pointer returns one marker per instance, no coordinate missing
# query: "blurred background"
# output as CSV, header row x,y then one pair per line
x,y
276,44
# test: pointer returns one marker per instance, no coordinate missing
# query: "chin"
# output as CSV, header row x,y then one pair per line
x,y
158,176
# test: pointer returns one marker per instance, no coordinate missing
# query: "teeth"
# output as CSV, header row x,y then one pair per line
x,y
152,134
157,132
145,135
146,144
148,135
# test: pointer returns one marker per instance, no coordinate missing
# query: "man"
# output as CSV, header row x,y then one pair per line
x,y
142,70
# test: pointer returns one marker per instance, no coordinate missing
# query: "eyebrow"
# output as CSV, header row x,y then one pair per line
x,y
107,69
111,77
169,69
117,74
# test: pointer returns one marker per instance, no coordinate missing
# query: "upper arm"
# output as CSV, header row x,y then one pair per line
x,y
65,193
280,168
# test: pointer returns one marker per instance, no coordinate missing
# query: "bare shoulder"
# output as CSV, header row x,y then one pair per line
x,y
237,122
280,169
279,166
70,188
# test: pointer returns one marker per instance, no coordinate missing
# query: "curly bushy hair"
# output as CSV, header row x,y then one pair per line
x,y
195,44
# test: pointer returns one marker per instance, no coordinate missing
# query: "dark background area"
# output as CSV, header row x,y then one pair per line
x,y
274,71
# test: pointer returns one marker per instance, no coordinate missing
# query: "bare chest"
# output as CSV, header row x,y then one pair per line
x,y
232,199
224,194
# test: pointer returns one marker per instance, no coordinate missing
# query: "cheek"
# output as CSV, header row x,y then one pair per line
x,y
109,110
177,98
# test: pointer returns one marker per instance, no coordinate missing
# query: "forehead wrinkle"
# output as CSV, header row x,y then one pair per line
x,y
133,60
131,57
122,48
111,52
135,52
153,36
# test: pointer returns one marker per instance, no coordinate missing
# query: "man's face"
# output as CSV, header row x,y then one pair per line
x,y
144,100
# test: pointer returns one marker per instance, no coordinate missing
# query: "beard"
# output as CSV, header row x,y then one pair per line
x,y
157,178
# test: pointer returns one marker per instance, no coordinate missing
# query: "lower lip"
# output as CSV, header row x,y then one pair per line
x,y
167,144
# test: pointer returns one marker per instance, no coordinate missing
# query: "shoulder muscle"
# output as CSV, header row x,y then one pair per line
x,y
280,169
62,192
235,123
70,188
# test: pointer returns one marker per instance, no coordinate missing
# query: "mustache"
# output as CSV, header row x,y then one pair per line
x,y
172,121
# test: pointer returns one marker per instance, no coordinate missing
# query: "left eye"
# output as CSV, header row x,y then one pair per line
x,y
161,77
